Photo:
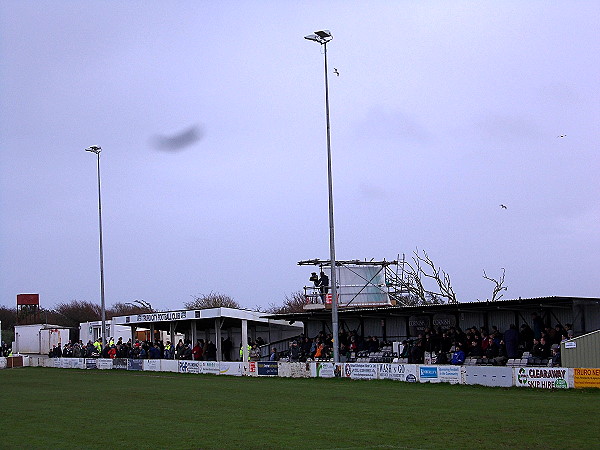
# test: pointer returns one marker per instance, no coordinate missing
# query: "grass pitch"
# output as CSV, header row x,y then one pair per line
x,y
67,408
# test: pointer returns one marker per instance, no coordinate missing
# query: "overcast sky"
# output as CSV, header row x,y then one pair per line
x,y
211,119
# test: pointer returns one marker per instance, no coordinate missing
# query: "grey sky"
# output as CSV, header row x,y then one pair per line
x,y
443,111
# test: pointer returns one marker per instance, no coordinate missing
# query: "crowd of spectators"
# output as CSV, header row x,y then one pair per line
x,y
446,346
202,350
320,347
491,346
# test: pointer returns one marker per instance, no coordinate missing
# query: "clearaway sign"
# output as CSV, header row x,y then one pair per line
x,y
544,378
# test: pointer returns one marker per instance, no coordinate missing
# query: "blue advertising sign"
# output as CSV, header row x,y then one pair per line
x,y
428,372
268,368
135,364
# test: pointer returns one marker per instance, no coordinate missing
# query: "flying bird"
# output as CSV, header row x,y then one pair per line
x,y
180,140
336,72
561,136
503,206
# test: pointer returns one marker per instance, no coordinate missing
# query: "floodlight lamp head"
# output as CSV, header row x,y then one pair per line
x,y
322,37
313,37
324,34
94,149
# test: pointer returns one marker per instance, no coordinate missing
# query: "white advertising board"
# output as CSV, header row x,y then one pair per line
x,y
543,377
104,363
168,365
360,371
2,363
326,370
210,367
72,363
151,365
440,374
188,366
231,368
489,376
398,372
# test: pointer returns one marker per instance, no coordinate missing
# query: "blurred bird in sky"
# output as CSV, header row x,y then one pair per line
x,y
503,206
180,140
336,72
561,136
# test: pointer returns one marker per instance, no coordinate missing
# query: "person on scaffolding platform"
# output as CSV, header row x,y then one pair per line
x,y
315,279
323,286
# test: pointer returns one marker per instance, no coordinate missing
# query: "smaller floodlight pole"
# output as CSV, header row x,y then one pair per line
x,y
96,149
323,37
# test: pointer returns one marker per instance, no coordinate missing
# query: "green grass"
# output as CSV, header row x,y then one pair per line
x,y
67,408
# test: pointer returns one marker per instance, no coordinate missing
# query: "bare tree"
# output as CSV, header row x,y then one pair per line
x,y
8,317
292,303
498,285
129,308
211,300
411,282
71,314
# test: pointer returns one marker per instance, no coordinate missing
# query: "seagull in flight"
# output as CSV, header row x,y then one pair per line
x,y
336,72
503,206
561,136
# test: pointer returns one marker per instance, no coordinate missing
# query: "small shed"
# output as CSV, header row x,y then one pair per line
x,y
39,338
582,351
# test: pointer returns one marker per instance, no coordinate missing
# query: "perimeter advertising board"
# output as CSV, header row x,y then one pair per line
x,y
210,367
104,363
586,378
168,365
267,368
440,374
488,375
398,372
72,363
327,370
542,377
120,363
135,364
152,365
231,368
188,366
90,363
360,371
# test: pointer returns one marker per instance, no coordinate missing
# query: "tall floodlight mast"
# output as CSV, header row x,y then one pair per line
x,y
323,37
96,149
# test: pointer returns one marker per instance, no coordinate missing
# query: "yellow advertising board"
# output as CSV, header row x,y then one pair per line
x,y
586,378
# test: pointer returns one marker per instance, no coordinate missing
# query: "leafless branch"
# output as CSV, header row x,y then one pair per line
x,y
498,285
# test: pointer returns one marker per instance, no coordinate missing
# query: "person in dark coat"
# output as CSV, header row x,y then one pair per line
x,y
323,285
511,340
526,337
538,325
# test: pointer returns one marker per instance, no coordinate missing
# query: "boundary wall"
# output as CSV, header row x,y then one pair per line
x,y
527,377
